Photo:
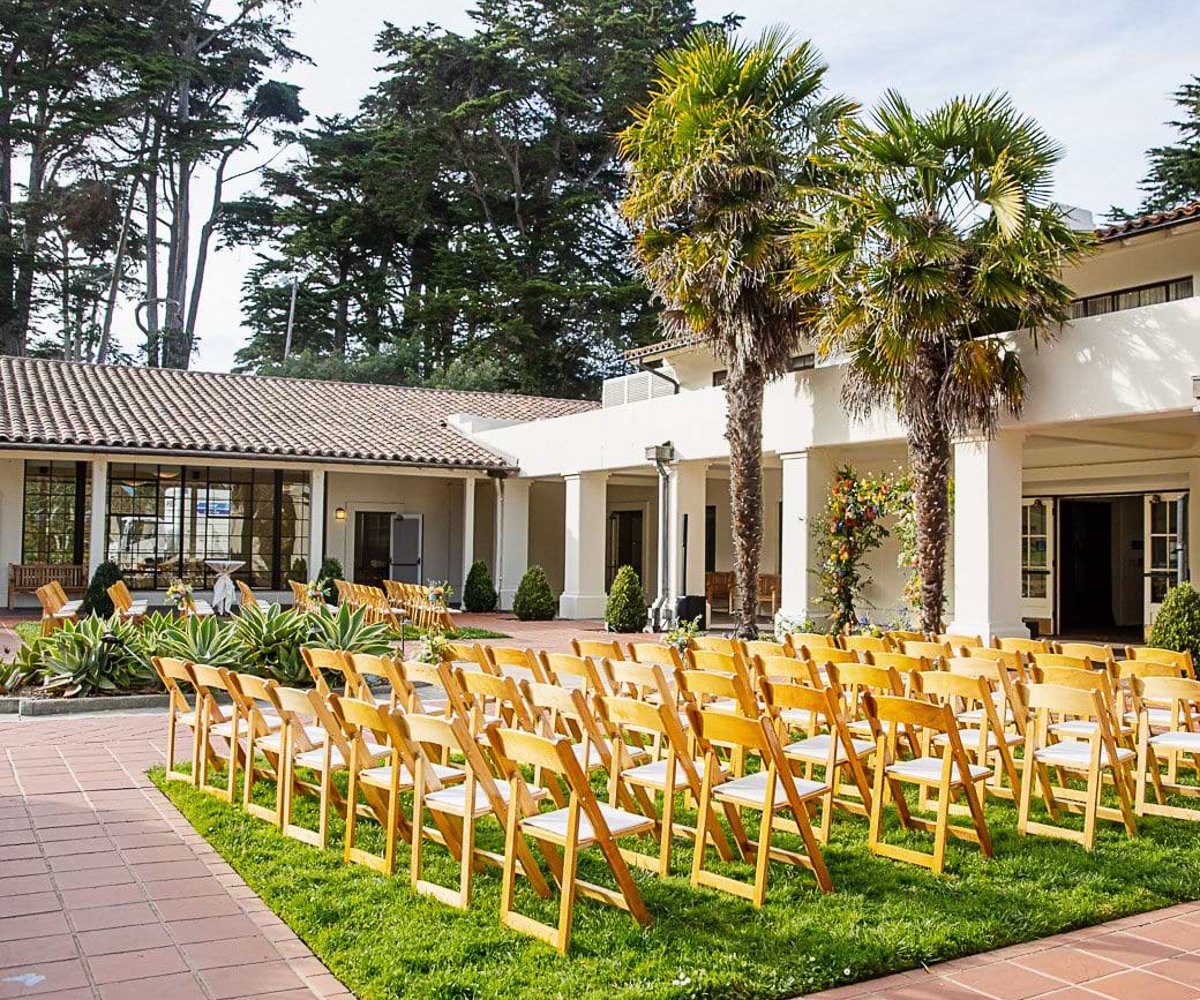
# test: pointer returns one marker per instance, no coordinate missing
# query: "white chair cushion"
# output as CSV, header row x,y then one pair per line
x,y
1076,755
274,741
816,748
619,823
1187,742
454,800
928,770
752,790
315,759
382,776
975,716
859,727
1159,718
654,774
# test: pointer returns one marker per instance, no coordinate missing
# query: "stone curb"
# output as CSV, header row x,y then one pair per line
x,y
75,706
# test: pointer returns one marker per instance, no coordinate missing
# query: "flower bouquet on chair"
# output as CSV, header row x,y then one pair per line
x,y
179,597
439,592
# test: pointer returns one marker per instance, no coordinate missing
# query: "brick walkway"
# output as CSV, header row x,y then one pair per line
x,y
106,891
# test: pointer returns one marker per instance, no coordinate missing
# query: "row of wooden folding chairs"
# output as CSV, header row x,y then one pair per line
x,y
394,611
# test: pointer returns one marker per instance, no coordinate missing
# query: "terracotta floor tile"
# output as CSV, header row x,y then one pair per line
x,y
108,895
195,908
113,940
1006,981
86,878
177,987
251,980
1138,984
1182,968
1178,932
124,915
37,925
1129,949
20,885
239,951
184,888
44,977
1069,964
34,902
141,964
30,951
213,929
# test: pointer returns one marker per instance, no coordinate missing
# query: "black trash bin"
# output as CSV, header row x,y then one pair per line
x,y
691,607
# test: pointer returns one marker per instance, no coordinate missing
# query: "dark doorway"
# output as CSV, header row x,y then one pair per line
x,y
625,543
1100,567
372,546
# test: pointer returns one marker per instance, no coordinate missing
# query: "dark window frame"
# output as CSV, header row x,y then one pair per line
x,y
49,522
1080,307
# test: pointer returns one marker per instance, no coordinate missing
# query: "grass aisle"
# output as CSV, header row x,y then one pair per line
x,y
384,941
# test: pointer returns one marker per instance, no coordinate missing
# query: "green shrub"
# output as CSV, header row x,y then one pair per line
x,y
479,593
200,640
347,628
1177,626
626,607
535,601
267,640
331,569
96,601
94,656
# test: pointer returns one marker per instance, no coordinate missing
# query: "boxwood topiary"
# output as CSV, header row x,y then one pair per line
x,y
479,593
1177,626
535,601
96,601
626,608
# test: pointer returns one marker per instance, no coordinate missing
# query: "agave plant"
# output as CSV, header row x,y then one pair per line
x,y
93,656
268,641
347,628
201,640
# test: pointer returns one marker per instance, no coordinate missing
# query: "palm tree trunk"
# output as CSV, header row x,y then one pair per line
x,y
929,456
743,428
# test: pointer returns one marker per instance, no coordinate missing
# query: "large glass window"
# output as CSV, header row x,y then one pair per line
x,y
1035,551
1132,298
55,524
167,521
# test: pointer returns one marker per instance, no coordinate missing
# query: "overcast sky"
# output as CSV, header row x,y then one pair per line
x,y
1097,75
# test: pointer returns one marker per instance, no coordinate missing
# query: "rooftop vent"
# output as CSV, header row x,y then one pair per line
x,y
634,389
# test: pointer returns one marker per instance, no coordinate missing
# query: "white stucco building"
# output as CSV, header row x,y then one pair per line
x,y
1074,518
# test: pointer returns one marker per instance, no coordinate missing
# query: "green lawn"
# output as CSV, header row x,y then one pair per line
x,y
27,631
384,941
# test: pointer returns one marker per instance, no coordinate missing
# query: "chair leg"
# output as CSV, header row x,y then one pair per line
x,y
763,861
667,829
566,903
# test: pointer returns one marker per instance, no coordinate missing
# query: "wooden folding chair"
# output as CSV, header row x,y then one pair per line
x,y
667,657
1023,647
321,662
215,719
749,649
968,690
425,683
949,774
899,635
822,656
1158,655
1063,660
566,669
1014,663
605,649
826,743
297,752
958,640
725,692
773,789
934,652
1179,698
1093,755
716,644
457,808
363,723
797,639
494,699
581,823
258,720
465,655
124,604
790,670
1100,681
649,682
865,643
369,666
1101,654
631,721
172,672
248,600
520,664
885,676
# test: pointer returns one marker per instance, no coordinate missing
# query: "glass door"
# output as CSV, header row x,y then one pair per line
x,y
1037,566
1165,514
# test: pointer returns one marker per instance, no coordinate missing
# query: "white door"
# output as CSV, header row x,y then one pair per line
x,y
1037,560
406,548
1164,513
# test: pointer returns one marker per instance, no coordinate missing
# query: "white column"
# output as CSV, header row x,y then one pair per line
x,y
12,506
686,498
512,537
805,484
316,523
468,530
583,565
98,526
987,537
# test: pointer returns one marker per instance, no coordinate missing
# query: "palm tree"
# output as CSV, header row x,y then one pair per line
x,y
720,161
941,242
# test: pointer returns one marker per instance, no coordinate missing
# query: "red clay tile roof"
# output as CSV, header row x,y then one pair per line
x,y
117,408
1152,220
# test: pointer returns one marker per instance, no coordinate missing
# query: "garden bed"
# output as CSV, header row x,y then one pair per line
x,y
383,941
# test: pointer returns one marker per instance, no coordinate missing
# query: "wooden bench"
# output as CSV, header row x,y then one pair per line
x,y
26,578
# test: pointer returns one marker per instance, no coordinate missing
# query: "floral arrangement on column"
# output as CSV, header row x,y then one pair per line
x,y
851,527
